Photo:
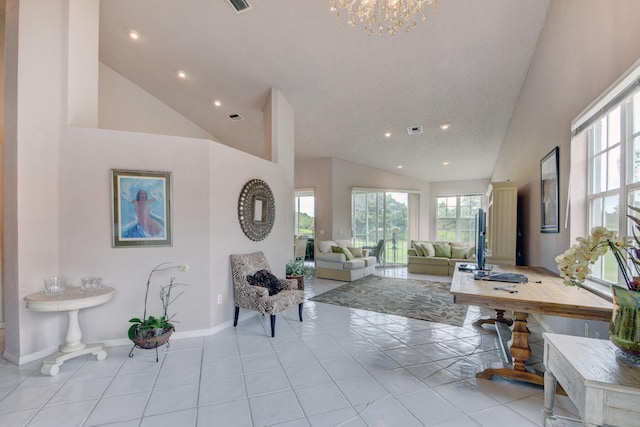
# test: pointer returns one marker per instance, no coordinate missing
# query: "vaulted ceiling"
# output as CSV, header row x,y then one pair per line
x,y
465,65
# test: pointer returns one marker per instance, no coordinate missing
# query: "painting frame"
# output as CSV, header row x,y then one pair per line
x,y
137,194
549,190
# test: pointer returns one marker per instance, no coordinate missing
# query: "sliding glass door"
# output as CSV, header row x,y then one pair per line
x,y
381,218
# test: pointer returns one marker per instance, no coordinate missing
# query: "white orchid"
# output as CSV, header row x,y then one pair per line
x,y
575,264
166,297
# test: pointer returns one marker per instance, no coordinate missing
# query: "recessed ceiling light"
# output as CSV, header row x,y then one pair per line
x,y
387,134
445,126
445,163
400,166
181,74
217,103
133,34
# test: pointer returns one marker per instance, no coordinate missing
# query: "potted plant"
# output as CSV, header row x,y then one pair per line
x,y
151,331
296,269
574,267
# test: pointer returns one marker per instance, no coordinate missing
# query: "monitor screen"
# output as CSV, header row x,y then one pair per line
x,y
481,239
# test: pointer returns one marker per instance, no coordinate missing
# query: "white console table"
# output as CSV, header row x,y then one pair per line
x,y
72,301
605,390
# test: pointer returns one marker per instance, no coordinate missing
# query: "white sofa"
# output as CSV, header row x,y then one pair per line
x,y
331,265
421,263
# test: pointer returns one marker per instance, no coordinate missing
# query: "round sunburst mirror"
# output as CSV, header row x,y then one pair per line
x,y
256,209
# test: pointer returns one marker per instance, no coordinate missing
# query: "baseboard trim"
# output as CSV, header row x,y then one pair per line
x,y
28,358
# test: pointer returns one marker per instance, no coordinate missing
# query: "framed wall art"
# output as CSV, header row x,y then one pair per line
x,y
256,209
141,208
550,187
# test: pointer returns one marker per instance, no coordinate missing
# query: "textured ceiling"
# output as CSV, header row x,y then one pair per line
x,y
465,65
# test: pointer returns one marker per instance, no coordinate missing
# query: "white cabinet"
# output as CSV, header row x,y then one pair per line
x,y
502,219
604,389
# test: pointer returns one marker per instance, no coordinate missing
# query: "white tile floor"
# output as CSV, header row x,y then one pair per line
x,y
340,367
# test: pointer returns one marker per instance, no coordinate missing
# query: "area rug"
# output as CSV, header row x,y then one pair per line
x,y
417,299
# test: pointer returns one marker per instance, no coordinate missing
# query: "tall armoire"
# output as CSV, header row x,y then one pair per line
x,y
502,220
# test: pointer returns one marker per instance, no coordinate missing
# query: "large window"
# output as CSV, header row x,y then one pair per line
x,y
614,173
304,213
607,135
456,217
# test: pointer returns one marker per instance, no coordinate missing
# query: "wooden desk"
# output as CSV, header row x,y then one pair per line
x,y
544,294
605,390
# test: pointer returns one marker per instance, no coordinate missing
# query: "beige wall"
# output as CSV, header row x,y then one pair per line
x,y
318,174
333,180
584,47
453,188
123,105
2,18
57,197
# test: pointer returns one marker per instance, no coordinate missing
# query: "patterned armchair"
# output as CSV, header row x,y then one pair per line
x,y
257,298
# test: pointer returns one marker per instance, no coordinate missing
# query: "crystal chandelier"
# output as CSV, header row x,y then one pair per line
x,y
383,15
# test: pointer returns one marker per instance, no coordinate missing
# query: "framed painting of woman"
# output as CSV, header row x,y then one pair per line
x,y
141,208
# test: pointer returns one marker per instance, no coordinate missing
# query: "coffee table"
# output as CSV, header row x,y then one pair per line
x,y
544,293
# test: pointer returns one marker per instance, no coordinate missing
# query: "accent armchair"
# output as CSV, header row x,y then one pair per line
x,y
377,250
300,247
256,297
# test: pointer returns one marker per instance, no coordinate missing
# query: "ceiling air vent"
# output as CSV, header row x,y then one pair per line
x,y
240,5
236,117
415,130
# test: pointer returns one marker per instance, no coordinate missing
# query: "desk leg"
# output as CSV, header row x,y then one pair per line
x,y
520,351
499,318
550,384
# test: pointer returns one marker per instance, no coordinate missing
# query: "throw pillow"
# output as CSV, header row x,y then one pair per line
x,y
339,250
471,252
459,252
356,252
324,246
428,249
442,251
343,243
266,279
418,249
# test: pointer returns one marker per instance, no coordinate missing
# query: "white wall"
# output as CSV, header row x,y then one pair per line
x,y
58,201
584,47
123,105
318,174
333,180
206,183
453,188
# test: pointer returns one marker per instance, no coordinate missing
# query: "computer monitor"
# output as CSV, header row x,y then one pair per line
x,y
481,238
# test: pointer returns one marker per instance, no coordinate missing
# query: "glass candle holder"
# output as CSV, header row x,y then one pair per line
x,y
54,285
90,284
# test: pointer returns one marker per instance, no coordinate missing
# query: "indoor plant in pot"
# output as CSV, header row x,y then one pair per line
x,y
151,331
296,269
574,267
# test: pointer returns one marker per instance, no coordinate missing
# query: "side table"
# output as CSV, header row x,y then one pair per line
x,y
605,390
72,301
